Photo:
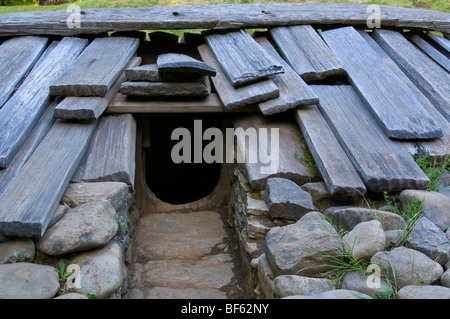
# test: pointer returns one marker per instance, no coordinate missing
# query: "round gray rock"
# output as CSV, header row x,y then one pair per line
x,y
445,279
363,283
365,239
85,227
291,285
72,295
424,292
343,294
28,281
17,250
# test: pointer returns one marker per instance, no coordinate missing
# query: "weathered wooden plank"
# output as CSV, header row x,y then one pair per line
x,y
177,62
17,57
241,58
210,104
338,172
389,100
381,163
444,43
431,51
231,97
149,72
227,16
29,202
282,155
304,50
86,108
23,109
200,88
110,156
429,77
436,147
97,68
294,91
32,141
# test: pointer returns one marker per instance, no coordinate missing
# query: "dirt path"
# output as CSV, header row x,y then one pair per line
x,y
188,255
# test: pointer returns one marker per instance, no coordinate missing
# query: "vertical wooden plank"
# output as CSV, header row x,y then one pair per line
x,y
23,109
389,100
302,47
17,57
429,77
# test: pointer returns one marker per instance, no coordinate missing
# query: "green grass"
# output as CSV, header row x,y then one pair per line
x,y
438,5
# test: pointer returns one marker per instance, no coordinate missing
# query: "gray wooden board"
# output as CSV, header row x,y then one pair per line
x,y
432,52
32,141
23,109
337,171
30,200
241,58
382,164
289,166
17,57
234,98
444,43
226,16
86,108
149,72
294,91
177,62
429,77
97,68
110,156
436,147
200,88
304,50
398,112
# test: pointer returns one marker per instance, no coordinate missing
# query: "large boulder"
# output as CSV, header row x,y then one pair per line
x,y
435,206
409,266
303,248
85,227
286,199
424,292
28,281
347,217
291,285
365,239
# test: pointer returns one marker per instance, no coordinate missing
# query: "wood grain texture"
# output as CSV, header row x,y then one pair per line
x,y
431,51
294,91
231,97
304,50
32,141
97,68
110,156
177,62
149,72
339,174
398,112
30,200
382,164
241,58
429,77
199,88
86,108
17,57
438,147
444,43
227,16
24,108
289,145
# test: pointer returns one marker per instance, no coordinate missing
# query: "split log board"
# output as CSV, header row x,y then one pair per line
x,y
241,58
17,57
24,108
226,16
86,108
234,98
431,51
304,50
382,164
396,109
97,68
175,62
294,91
429,77
28,204
110,156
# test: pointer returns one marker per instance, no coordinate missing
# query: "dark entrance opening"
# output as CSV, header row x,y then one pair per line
x,y
184,182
